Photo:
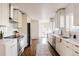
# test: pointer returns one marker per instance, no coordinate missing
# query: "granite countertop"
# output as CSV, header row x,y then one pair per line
x,y
13,37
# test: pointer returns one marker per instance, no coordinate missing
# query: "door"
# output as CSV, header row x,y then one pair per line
x,y
28,33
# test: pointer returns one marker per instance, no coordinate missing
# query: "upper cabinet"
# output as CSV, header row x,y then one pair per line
x,y
15,16
76,14
19,19
4,14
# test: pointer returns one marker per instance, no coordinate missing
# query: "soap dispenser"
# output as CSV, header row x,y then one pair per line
x,y
74,36
1,34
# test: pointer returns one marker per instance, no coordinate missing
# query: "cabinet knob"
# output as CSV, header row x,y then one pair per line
x,y
76,45
12,46
76,52
67,41
67,46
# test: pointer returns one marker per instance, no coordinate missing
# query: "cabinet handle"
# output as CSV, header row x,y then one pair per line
x,y
76,45
67,46
76,52
67,41
12,46
60,40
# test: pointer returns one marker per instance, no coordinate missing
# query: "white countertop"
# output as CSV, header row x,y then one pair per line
x,y
7,41
71,40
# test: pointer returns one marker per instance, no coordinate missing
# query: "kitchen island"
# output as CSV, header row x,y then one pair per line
x,y
65,46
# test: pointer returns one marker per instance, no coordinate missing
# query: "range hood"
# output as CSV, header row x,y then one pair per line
x,y
11,14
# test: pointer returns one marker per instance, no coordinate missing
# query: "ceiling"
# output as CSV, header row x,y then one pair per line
x,y
40,11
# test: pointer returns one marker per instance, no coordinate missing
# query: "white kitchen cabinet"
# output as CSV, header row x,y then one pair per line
x,y
63,47
76,14
75,50
23,44
8,47
67,48
4,14
58,44
17,17
75,53
50,39
74,10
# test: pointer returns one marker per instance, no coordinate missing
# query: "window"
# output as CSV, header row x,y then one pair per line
x,y
67,22
62,21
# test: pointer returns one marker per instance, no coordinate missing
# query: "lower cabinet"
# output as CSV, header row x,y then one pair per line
x,y
11,49
23,44
75,53
66,51
65,48
58,44
8,47
75,50
50,39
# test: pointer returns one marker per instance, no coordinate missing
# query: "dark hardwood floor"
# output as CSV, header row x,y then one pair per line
x,y
30,51
52,50
39,49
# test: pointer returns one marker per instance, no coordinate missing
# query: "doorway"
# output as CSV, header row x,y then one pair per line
x,y
28,34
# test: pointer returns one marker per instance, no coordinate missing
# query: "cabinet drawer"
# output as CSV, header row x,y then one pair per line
x,y
76,48
75,53
68,44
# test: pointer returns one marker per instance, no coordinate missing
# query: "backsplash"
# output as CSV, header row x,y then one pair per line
x,y
8,30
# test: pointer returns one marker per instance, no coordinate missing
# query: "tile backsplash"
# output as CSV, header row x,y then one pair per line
x,y
8,30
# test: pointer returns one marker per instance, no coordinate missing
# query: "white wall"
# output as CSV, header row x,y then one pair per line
x,y
44,29
28,19
34,29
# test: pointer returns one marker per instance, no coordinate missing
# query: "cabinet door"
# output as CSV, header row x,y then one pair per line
x,y
68,51
75,53
22,43
15,15
11,49
76,14
14,48
0,14
19,19
58,45
75,50
4,14
67,48
2,50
